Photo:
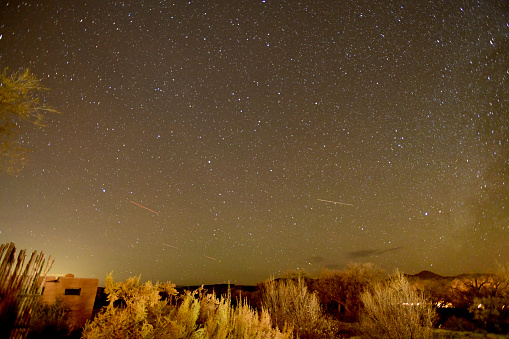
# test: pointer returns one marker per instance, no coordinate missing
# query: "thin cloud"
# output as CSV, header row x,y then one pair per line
x,y
370,253
317,259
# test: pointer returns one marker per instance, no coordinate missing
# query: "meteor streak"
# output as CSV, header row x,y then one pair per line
x,y
170,246
210,257
335,202
145,207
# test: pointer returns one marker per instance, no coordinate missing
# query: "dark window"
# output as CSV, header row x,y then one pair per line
x,y
72,291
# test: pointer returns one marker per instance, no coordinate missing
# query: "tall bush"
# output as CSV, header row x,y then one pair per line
x,y
290,303
339,291
394,309
221,320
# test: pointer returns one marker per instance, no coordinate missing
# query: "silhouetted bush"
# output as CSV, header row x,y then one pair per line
x,y
51,321
461,324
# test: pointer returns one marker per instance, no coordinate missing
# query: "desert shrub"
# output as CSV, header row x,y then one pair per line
x,y
394,309
459,324
291,304
220,320
143,314
339,291
195,315
51,320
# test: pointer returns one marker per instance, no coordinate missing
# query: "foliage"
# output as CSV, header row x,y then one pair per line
x,y
339,291
137,311
50,321
18,101
393,309
492,308
220,320
439,291
290,303
492,313
468,288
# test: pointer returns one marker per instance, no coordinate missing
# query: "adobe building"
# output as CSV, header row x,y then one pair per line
x,y
77,293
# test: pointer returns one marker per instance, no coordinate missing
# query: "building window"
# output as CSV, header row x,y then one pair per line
x,y
72,291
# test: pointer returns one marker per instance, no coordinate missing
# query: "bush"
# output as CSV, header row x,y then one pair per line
x,y
394,309
51,321
460,324
492,313
339,291
290,304
137,311
220,320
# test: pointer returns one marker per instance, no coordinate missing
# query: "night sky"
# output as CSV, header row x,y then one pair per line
x,y
215,141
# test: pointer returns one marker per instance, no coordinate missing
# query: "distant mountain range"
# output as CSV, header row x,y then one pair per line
x,y
428,275
423,275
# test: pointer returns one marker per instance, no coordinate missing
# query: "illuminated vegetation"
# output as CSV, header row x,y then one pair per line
x,y
137,311
394,309
290,303
339,291
19,102
356,302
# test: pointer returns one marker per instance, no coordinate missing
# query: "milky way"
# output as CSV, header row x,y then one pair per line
x,y
206,143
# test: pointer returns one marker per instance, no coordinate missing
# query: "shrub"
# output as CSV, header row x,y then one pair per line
x,y
339,291
460,324
492,313
51,321
290,304
394,309
221,320
143,314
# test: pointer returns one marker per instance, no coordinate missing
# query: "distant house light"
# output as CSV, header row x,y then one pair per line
x,y
72,291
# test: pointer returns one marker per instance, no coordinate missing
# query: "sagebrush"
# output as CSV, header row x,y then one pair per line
x,y
137,311
394,309
290,303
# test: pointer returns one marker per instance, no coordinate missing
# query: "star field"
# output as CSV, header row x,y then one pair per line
x,y
197,140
